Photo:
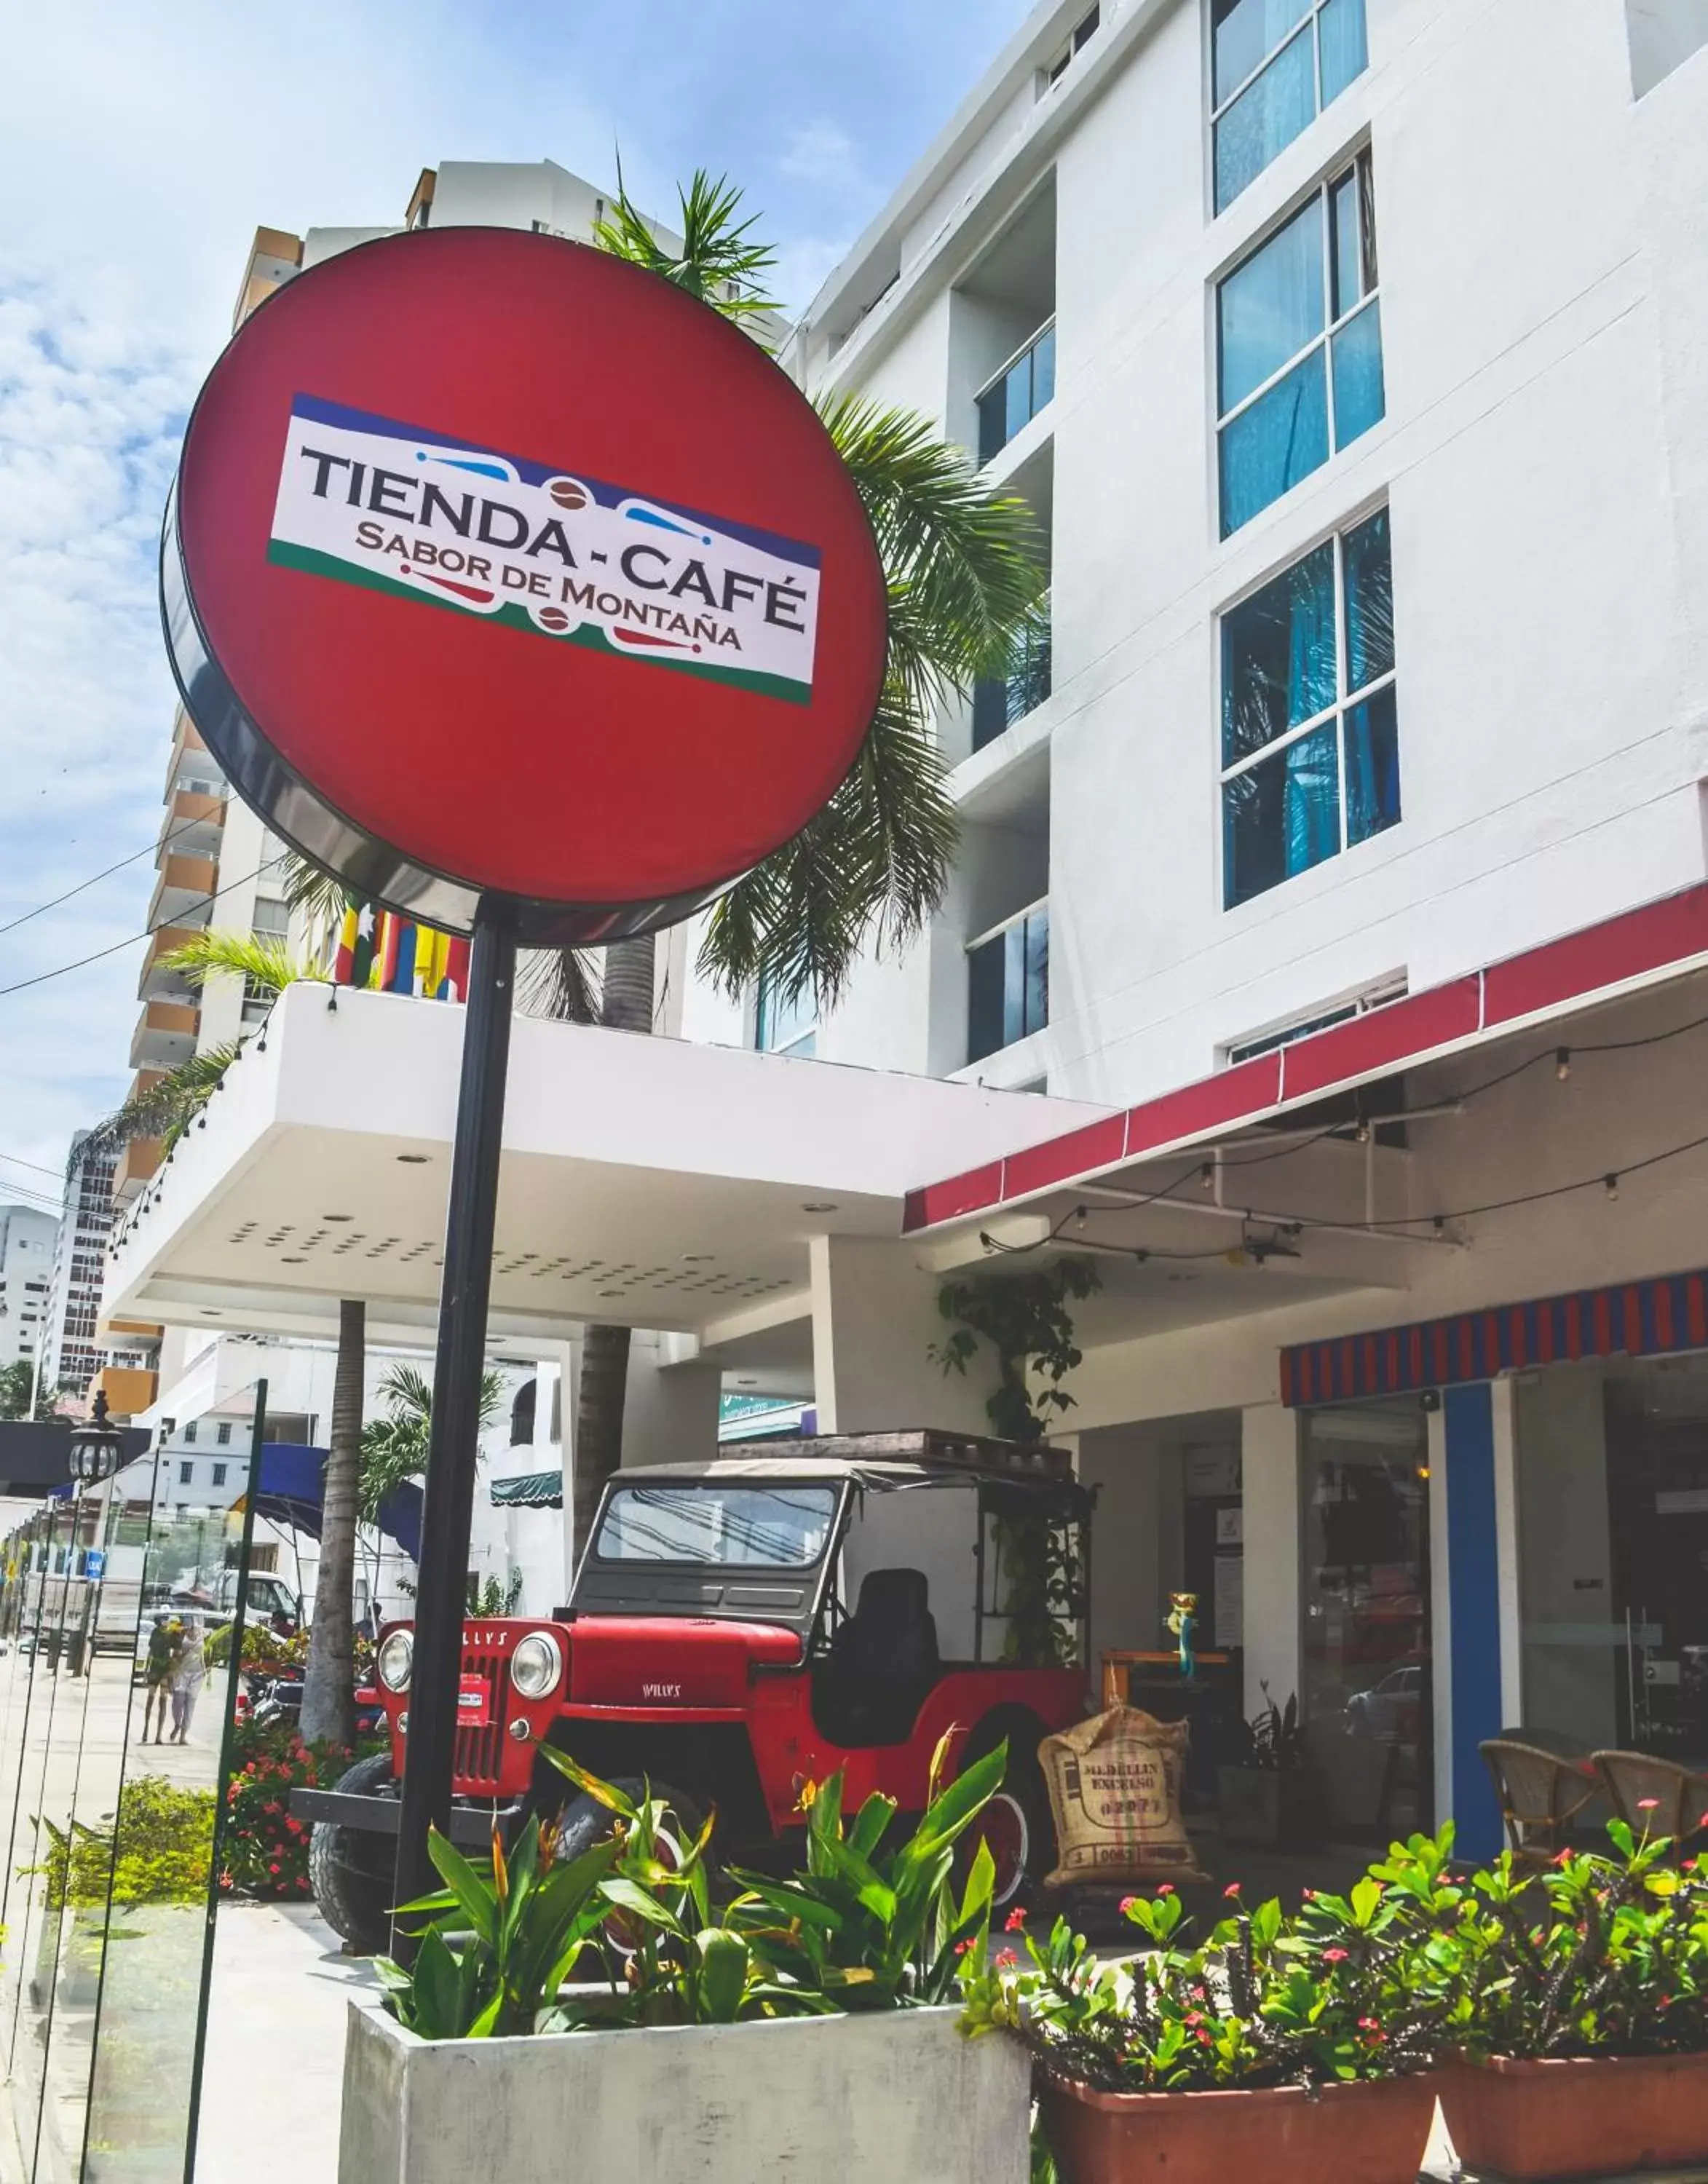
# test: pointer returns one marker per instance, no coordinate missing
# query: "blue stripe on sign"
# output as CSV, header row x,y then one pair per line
x,y
1473,1587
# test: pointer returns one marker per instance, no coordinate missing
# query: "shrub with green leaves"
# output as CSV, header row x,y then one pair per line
x,y
159,1852
265,1848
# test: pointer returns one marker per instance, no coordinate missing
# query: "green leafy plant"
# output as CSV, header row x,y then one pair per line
x,y
159,1850
495,1596
1275,1738
879,1928
1025,1319
265,1846
394,1447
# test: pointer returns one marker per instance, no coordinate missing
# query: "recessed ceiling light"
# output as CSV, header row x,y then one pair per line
x,y
337,1217
697,1258
413,1160
208,1312
293,1263
747,1383
610,1293
817,1205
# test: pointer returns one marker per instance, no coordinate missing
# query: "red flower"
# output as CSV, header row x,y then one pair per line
x,y
1165,1888
1127,1903
1005,1958
1648,1804
1014,1923
1231,1890
1308,1895
1334,1956
962,1947
274,1867
1204,2038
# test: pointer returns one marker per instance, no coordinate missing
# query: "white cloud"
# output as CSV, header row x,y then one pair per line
x,y
824,156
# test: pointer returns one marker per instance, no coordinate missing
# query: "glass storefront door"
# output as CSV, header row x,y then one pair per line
x,y
1365,1654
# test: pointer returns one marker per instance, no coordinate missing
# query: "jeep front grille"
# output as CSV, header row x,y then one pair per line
x,y
480,1751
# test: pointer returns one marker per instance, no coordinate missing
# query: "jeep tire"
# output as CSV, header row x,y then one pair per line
x,y
352,1870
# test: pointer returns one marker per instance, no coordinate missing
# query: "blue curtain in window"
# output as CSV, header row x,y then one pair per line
x,y
1310,805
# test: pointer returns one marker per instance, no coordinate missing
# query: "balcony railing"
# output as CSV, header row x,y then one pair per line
x,y
1010,401
1009,982
999,702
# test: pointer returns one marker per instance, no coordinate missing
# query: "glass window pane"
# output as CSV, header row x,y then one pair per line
x,y
1282,438
1281,817
1018,401
1264,119
1344,51
1361,398
1044,370
1372,765
993,424
1037,971
1278,656
1270,308
1369,601
1243,32
1014,983
1346,253
781,1022
985,983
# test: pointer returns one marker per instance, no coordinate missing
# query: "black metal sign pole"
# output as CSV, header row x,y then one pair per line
x,y
458,1365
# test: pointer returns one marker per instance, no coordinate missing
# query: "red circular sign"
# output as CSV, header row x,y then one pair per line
x,y
498,566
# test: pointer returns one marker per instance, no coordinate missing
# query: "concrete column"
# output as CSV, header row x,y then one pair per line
x,y
1269,1475
670,1412
1468,1651
874,1317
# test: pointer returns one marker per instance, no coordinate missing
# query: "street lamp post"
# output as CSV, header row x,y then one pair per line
x,y
95,1448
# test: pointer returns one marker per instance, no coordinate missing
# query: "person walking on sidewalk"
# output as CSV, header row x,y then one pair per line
x,y
157,1673
189,1672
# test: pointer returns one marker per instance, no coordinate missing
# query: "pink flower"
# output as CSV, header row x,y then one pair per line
x,y
1167,1888
1648,1804
1015,1922
1005,1959
962,1947
1334,1956
1127,1903
1231,1890
1308,1895
1204,2038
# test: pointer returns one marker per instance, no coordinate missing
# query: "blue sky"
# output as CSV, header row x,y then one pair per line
x,y
141,142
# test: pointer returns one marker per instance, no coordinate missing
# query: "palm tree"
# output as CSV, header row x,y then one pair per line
x,y
394,1448
964,585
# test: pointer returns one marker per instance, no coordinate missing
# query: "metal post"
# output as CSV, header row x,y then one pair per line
x,y
449,1502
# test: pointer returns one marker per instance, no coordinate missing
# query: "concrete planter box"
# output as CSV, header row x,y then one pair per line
x,y
866,2099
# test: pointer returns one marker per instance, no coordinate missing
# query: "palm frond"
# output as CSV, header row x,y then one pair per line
x,y
559,983
720,260
265,965
165,1110
316,894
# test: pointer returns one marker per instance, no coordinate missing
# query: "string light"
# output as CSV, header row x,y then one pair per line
x,y
1610,1183
1562,1063
1207,1176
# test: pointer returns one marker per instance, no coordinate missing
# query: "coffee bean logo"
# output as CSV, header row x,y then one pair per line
x,y
552,618
567,494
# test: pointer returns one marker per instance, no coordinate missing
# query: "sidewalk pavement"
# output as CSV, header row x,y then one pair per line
x,y
274,2078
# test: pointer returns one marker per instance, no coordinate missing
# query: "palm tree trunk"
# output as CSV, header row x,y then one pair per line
x,y
329,1684
597,1448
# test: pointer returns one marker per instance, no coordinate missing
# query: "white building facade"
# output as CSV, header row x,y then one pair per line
x,y
1333,881
27,1239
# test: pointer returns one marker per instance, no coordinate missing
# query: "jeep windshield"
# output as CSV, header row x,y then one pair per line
x,y
718,1525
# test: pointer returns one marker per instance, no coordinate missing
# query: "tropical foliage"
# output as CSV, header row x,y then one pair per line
x,y
17,1388
264,1849
1603,1954
1025,1319
160,1853
394,1447
864,1928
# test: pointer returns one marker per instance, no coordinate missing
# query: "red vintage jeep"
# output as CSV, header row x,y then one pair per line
x,y
742,1627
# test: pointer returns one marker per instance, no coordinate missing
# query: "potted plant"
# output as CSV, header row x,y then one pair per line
x,y
1577,2002
1273,1798
808,2027
1294,2049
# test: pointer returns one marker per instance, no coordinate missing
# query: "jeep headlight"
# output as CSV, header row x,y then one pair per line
x,y
536,1665
395,1660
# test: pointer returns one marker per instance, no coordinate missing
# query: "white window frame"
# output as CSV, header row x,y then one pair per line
x,y
1360,165
1343,1008
807,1031
995,932
1306,27
1343,703
1053,69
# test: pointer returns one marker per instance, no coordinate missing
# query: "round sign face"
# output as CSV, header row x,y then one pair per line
x,y
498,567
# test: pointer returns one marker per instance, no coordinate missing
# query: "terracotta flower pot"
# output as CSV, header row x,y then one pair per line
x,y
1365,2134
1593,2117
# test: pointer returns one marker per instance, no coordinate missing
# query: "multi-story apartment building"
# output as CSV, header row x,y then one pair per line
x,y
71,1353
27,1239
1332,883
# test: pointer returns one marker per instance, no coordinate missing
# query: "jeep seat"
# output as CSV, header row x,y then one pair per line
x,y
883,1661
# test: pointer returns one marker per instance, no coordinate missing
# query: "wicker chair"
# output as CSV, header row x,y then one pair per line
x,y
1539,1793
1653,1797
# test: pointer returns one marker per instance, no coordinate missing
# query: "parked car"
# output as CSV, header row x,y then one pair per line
x,y
1390,1711
744,1626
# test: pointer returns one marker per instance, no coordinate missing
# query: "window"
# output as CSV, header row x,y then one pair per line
x,y
1324,1019
1011,399
784,1527
219,1474
190,1430
781,1026
223,1432
1274,65
1310,739
1083,31
271,916
186,1472
1298,348
1008,984
998,701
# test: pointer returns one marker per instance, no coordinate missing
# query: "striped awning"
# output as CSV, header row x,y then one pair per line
x,y
533,1490
1633,1319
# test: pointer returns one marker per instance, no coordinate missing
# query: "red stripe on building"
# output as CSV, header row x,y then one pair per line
x,y
1372,1044
1696,1308
1633,1322
1638,941
1060,1160
1601,1319
1518,1336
